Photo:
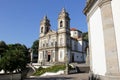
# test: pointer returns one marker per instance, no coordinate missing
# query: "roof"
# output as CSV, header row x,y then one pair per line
x,y
73,29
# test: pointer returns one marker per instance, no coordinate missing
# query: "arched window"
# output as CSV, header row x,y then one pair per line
x,y
41,29
61,23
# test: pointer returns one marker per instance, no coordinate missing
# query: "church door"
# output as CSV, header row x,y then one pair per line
x,y
49,58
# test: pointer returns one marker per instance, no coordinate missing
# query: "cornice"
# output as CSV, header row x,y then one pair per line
x,y
91,3
88,6
103,2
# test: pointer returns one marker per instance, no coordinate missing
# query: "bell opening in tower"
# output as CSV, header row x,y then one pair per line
x,y
61,23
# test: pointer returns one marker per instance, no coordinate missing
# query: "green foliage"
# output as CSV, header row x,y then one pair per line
x,y
85,36
54,68
35,46
35,50
14,58
3,47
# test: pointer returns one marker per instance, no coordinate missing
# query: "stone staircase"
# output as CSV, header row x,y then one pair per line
x,y
82,67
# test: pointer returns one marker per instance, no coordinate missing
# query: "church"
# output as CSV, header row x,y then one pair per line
x,y
63,45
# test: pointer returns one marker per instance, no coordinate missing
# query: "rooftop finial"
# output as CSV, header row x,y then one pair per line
x,y
45,17
63,10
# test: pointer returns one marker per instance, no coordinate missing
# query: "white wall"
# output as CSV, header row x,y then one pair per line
x,y
40,57
97,44
61,55
116,18
72,33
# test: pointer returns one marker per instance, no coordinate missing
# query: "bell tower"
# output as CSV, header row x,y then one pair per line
x,y
44,26
63,21
64,35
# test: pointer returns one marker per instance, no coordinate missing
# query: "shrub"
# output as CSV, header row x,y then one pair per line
x,y
54,68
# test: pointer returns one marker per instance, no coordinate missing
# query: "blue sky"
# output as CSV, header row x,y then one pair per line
x,y
20,19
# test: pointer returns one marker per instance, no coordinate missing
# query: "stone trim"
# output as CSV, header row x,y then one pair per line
x,y
94,5
103,2
108,28
90,51
89,5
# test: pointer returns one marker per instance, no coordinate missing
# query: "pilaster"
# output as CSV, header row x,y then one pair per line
x,y
109,39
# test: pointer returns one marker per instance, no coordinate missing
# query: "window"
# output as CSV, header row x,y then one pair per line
x,y
77,56
52,44
41,29
46,44
61,23
61,41
43,45
75,32
43,54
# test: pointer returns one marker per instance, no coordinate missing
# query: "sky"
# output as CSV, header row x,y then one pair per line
x,y
20,19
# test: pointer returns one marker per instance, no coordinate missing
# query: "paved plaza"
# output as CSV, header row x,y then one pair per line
x,y
78,76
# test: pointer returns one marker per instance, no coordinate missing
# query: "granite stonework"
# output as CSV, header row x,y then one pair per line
x,y
110,44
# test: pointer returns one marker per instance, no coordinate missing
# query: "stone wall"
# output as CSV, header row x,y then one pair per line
x,y
10,76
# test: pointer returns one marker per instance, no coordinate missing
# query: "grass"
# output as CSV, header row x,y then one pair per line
x,y
54,68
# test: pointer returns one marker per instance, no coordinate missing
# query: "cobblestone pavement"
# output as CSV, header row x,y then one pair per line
x,y
78,76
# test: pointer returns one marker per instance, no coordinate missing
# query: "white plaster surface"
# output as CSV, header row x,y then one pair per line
x,y
97,44
53,73
116,17
61,55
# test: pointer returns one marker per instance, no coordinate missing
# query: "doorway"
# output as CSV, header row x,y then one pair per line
x,y
49,58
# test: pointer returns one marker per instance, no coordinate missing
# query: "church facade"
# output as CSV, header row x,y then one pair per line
x,y
63,45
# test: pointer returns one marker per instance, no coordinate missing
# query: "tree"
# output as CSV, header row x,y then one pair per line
x,y
35,46
85,36
3,47
35,50
15,58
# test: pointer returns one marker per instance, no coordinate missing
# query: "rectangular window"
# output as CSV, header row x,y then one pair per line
x,y
43,45
52,44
